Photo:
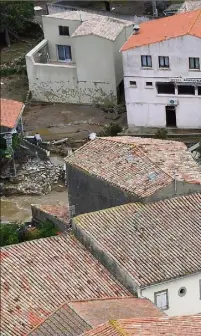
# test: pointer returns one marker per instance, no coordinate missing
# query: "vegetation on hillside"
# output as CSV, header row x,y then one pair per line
x,y
14,17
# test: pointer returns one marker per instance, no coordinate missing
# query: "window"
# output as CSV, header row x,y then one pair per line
x,y
186,89
194,63
163,62
182,291
63,30
165,88
132,83
64,53
146,61
199,90
149,84
161,299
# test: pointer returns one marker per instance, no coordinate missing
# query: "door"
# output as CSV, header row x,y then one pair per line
x,y
64,53
171,116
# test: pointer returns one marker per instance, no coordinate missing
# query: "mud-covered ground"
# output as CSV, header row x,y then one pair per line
x,y
57,121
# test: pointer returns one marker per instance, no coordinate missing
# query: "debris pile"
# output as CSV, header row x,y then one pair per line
x,y
35,178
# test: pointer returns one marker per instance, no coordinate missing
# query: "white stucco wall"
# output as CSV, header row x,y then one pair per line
x,y
145,107
118,63
185,305
51,34
91,78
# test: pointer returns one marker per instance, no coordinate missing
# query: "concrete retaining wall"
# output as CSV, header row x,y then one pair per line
x,y
39,215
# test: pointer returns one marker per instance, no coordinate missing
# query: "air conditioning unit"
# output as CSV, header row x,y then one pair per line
x,y
173,102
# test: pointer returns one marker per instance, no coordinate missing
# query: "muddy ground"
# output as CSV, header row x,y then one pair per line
x,y
57,121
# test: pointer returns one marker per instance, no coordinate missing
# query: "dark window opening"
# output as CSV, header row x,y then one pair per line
x,y
186,89
163,62
149,84
166,88
132,83
63,30
171,116
199,90
146,61
194,63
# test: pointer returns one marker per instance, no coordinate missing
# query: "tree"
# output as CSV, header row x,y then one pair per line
x,y
14,15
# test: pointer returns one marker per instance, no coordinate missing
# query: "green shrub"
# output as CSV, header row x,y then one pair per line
x,y
161,133
17,233
8,234
110,130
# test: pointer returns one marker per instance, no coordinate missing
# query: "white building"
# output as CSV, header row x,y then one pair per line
x,y
154,250
78,61
162,73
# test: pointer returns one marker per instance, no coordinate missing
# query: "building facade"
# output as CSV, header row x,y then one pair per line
x,y
162,73
78,61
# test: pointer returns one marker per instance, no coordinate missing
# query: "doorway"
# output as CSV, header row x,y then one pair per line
x,y
171,120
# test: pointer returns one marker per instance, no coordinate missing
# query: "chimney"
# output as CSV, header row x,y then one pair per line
x,y
136,29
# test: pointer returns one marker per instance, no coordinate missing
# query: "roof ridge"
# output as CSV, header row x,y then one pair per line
x,y
199,14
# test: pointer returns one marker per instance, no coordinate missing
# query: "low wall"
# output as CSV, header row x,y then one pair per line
x,y
40,215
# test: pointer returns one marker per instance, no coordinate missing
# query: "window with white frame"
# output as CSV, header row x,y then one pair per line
x,y
163,62
194,63
146,61
161,299
64,53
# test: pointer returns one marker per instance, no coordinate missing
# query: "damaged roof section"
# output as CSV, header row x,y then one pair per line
x,y
74,318
151,243
10,113
39,275
138,165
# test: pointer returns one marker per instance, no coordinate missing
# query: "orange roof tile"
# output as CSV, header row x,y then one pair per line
x,y
76,317
10,111
177,326
166,28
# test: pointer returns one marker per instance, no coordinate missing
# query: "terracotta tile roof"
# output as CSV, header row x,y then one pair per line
x,y
130,163
166,28
94,24
86,314
39,275
10,111
64,321
167,237
189,5
165,326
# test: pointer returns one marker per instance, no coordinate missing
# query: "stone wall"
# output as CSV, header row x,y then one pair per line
x,y
40,215
88,193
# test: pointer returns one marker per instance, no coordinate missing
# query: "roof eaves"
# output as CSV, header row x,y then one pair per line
x,y
168,279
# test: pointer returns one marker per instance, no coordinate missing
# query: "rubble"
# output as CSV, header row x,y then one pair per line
x,y
35,177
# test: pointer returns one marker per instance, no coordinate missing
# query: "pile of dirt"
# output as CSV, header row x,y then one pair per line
x,y
35,178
